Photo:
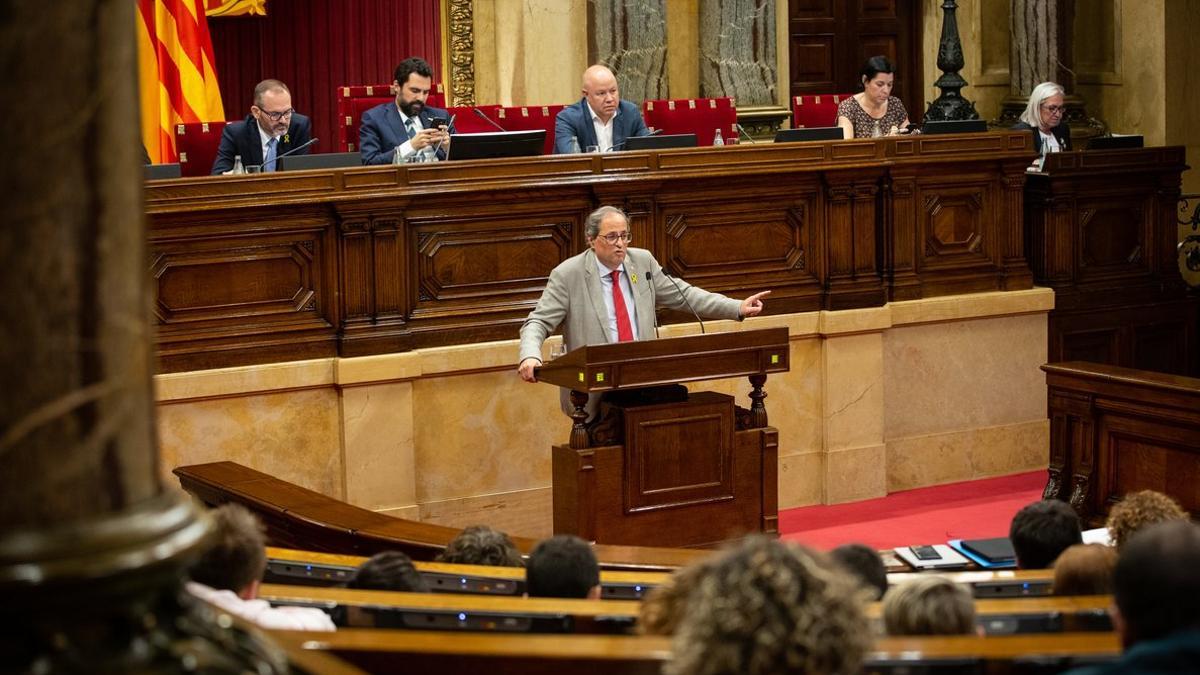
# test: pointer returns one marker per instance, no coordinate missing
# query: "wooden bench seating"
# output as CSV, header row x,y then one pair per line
x,y
491,654
464,612
297,517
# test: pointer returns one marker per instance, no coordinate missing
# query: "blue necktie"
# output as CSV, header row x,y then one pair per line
x,y
269,160
408,126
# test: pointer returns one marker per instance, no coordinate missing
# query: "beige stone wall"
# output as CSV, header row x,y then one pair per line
x,y
529,52
910,394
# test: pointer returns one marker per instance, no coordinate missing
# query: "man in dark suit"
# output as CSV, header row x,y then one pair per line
x,y
600,118
406,125
272,129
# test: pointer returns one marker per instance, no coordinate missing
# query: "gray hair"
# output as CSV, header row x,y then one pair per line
x,y
265,86
592,224
1040,93
929,605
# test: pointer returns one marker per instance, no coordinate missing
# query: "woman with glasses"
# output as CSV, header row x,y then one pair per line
x,y
1045,117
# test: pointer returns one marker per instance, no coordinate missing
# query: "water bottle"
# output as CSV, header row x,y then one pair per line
x,y
237,169
573,146
397,158
876,132
717,139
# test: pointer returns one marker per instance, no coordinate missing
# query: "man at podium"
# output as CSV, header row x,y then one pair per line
x,y
609,293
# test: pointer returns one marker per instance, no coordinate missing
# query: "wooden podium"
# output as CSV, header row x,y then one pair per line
x,y
661,466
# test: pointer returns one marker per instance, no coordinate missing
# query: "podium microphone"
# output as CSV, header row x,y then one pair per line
x,y
742,131
652,133
438,148
650,281
488,119
296,149
685,298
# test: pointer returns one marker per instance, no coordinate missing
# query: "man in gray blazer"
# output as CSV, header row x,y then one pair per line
x,y
600,118
580,295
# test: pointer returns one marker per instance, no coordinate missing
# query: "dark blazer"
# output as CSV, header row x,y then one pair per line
x,y
382,131
241,138
1062,132
575,121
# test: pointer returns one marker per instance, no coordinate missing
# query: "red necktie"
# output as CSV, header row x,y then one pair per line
x,y
624,329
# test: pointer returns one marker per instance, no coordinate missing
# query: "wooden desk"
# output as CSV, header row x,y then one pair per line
x,y
294,265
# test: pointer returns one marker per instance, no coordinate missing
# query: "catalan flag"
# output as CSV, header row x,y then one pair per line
x,y
176,72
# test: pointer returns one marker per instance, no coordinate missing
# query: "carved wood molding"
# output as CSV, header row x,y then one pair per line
x,y
462,51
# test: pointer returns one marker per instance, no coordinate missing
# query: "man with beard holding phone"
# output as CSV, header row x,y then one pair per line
x,y
406,125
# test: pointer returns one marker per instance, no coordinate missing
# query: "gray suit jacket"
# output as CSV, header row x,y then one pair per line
x,y
573,299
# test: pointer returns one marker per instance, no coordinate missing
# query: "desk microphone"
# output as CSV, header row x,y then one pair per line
x,y
449,125
683,295
650,281
296,149
488,119
742,131
652,133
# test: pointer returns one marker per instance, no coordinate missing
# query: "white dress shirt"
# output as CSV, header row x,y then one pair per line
x,y
606,290
604,134
1049,142
406,148
265,138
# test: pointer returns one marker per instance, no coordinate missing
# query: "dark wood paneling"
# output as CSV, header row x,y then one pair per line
x,y
1117,430
315,46
374,260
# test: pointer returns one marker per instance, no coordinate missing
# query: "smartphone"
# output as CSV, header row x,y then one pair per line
x,y
925,552
438,122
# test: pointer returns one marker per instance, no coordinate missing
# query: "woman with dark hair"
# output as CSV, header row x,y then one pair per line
x,y
873,112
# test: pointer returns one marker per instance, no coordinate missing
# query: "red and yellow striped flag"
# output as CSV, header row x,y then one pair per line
x,y
177,73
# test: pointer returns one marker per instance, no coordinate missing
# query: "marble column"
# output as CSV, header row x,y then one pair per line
x,y
737,51
91,546
630,36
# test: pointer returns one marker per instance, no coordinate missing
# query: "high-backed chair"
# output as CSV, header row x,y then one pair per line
x,y
197,144
467,122
818,110
531,117
354,100
700,116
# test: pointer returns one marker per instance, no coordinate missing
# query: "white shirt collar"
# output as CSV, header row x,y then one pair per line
x,y
596,118
603,269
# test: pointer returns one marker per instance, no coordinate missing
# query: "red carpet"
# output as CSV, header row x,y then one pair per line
x,y
972,510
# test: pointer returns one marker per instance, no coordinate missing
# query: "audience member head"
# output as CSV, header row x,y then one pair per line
x,y
601,91
1085,569
237,557
562,566
602,224
866,565
1041,531
1156,585
1045,107
769,607
878,78
666,604
413,80
929,605
272,107
1138,510
481,545
388,571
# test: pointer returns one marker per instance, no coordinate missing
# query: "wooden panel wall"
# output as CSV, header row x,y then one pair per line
x,y
315,46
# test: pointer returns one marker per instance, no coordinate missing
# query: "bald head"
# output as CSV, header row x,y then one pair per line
x,y
600,90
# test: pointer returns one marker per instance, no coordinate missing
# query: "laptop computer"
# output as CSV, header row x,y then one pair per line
x,y
809,134
163,171
954,127
324,160
660,142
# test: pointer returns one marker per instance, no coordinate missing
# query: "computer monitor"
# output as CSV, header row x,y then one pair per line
x,y
809,134
1116,142
954,127
660,142
163,171
497,144
324,160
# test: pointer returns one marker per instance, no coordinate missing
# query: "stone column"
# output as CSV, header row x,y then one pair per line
x,y
737,51
91,547
630,37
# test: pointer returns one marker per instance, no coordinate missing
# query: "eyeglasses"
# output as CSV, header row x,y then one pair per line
x,y
614,237
1055,109
276,116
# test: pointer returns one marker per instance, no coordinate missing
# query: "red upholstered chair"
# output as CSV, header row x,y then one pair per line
x,y
197,144
700,116
467,122
818,110
528,118
353,101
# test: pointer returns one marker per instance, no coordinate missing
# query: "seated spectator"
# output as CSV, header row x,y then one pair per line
x,y
665,604
770,607
866,565
563,566
386,571
1157,614
929,605
481,545
229,572
1042,530
1139,509
1085,569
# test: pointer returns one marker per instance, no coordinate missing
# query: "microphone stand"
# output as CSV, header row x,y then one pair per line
x,y
488,119
296,149
742,131
683,295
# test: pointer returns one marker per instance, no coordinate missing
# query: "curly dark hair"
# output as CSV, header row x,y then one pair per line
x,y
482,545
665,604
769,607
1139,509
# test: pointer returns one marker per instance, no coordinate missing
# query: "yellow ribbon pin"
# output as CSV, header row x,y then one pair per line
x,y
633,278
